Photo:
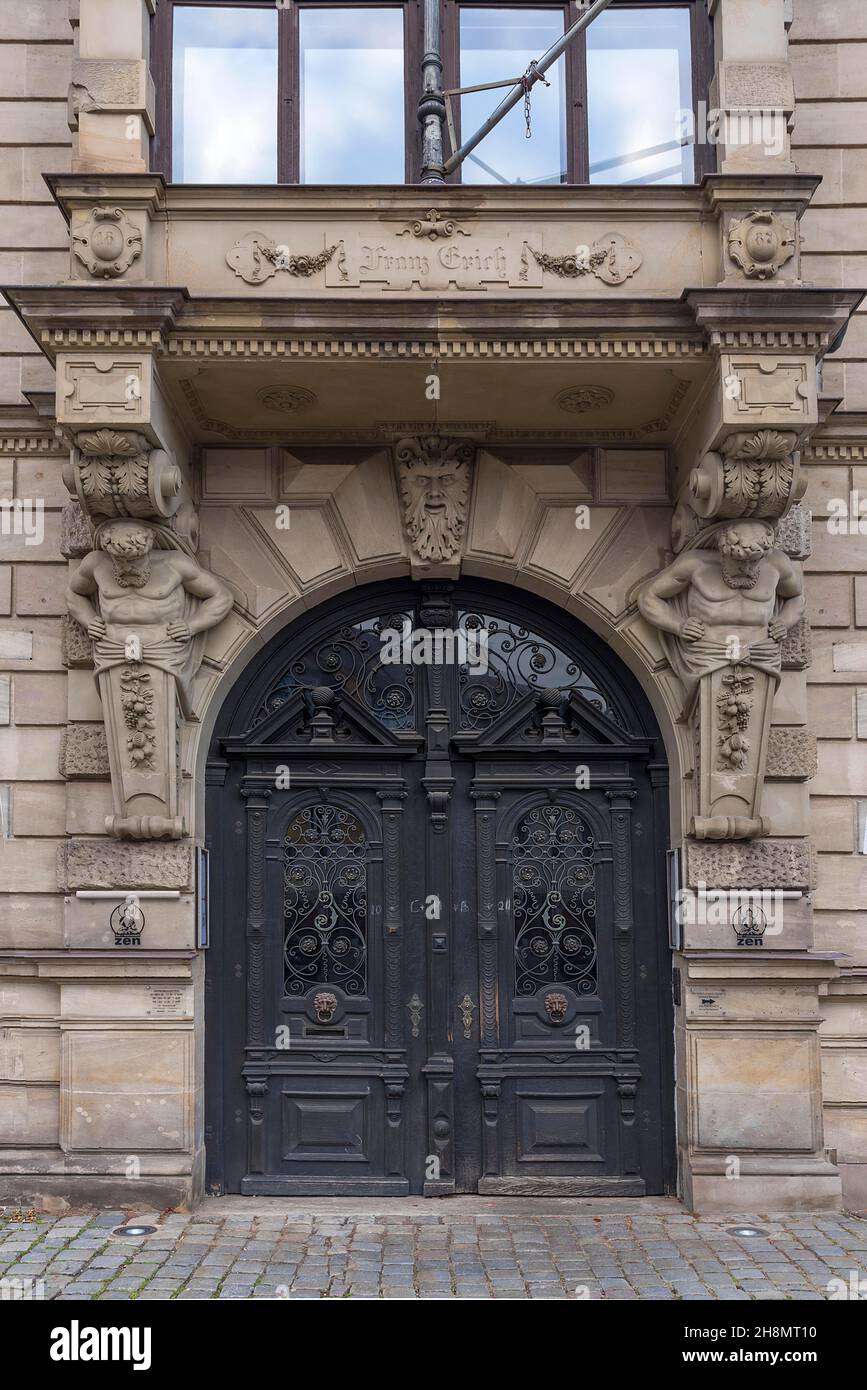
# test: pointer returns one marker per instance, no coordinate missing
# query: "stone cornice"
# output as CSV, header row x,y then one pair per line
x,y
625,201
168,321
840,439
793,319
70,191
61,316
24,431
792,192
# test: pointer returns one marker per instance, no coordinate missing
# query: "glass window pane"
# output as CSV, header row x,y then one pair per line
x,y
352,98
639,78
500,43
224,95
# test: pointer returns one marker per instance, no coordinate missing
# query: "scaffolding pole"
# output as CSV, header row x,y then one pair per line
x,y
436,171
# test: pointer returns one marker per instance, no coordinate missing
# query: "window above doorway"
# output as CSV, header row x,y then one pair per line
x,y
324,92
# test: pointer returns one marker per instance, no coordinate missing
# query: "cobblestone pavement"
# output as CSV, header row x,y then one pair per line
x,y
234,1248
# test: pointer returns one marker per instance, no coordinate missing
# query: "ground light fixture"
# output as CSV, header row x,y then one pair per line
x,y
746,1232
133,1230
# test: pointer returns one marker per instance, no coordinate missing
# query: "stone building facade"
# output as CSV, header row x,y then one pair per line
x,y
636,412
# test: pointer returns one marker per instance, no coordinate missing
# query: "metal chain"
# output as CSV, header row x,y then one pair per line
x,y
527,83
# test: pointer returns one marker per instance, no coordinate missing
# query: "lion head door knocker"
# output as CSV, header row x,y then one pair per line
x,y
127,922
555,1007
324,1006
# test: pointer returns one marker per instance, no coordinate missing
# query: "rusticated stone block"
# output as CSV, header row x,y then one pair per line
x,y
75,537
756,86
75,645
125,864
749,864
797,648
792,753
84,752
794,532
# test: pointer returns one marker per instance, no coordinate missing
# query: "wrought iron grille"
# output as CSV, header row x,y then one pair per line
x,y
554,901
349,659
325,901
519,661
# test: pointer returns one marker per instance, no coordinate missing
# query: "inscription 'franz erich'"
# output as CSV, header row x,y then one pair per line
x,y
451,258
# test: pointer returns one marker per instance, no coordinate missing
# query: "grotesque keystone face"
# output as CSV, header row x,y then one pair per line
x,y
434,495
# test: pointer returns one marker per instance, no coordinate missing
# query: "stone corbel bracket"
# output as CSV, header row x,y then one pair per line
x,y
118,473
754,475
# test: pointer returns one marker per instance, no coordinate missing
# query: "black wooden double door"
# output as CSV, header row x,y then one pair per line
x,y
438,956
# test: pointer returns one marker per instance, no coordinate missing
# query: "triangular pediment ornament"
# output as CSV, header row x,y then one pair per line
x,y
321,718
549,719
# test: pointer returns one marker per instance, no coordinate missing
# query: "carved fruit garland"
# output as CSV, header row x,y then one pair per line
x,y
734,705
137,700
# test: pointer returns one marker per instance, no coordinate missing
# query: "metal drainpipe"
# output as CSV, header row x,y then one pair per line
x,y
432,107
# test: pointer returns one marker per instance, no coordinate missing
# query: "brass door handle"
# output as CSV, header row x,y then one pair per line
x,y
466,1007
415,1007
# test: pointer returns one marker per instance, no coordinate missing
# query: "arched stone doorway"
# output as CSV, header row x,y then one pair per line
x,y
439,956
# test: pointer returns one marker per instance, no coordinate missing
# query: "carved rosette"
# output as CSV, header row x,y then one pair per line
x,y
434,475
108,243
761,244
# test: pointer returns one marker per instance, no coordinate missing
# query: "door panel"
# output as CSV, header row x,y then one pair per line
x,y
437,964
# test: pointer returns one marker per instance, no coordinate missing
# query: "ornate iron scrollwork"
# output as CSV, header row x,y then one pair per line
x,y
518,661
325,901
349,660
554,894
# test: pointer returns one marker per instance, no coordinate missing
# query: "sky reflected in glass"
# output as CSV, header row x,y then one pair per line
x,y
224,95
639,76
496,44
352,96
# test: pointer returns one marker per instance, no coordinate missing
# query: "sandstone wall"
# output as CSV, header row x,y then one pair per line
x,y
828,52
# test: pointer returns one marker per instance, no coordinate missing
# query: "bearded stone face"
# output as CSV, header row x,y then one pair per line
x,y
434,494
